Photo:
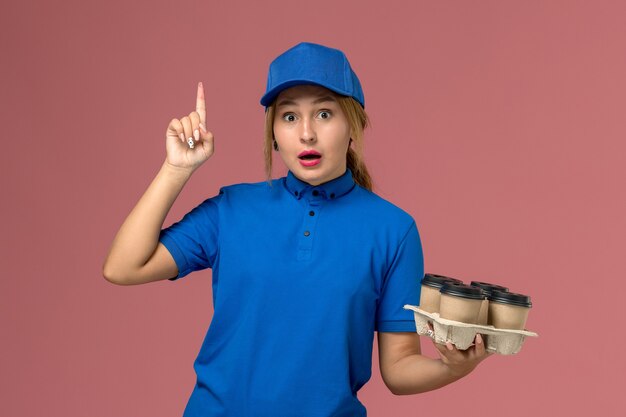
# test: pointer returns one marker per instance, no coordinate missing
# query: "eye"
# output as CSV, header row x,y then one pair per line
x,y
324,114
289,117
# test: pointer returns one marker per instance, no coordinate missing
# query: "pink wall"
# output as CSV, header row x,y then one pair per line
x,y
498,125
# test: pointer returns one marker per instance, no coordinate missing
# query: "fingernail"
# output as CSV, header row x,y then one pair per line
x,y
196,134
182,137
449,345
202,127
479,339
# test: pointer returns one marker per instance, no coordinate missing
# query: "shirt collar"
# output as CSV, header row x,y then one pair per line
x,y
330,190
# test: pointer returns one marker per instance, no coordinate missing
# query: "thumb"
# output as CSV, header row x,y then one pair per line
x,y
206,136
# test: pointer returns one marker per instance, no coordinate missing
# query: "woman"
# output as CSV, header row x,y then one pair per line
x,y
305,267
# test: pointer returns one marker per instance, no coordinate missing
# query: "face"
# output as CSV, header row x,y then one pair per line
x,y
309,118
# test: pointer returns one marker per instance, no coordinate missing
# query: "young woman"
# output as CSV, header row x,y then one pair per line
x,y
305,267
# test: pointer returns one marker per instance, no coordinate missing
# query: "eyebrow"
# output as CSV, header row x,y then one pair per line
x,y
289,102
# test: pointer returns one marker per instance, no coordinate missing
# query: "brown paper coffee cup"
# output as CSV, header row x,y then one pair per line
x,y
483,316
430,296
429,299
508,310
460,303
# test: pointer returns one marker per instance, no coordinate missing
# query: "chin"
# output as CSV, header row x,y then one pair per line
x,y
309,176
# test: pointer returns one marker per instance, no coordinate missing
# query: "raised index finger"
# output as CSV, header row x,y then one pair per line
x,y
200,104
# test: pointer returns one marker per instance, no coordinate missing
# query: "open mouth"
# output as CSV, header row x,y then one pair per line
x,y
310,157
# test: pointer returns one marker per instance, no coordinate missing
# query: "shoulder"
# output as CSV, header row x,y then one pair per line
x,y
250,192
247,188
382,208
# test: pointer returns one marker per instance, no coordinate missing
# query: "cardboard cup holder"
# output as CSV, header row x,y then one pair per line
x,y
462,335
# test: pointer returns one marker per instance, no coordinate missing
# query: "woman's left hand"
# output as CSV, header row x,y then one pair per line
x,y
462,362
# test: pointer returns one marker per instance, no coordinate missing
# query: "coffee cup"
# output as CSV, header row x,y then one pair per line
x,y
460,302
508,310
483,315
430,295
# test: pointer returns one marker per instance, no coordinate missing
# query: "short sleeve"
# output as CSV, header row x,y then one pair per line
x,y
401,286
193,241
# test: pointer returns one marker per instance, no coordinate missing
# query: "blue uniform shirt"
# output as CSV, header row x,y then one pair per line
x,y
302,277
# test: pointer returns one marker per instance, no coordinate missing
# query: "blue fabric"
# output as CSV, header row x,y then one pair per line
x,y
311,63
302,277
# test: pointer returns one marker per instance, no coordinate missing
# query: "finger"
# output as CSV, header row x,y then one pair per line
x,y
440,347
176,127
479,345
430,332
449,356
200,104
206,136
195,121
188,131
447,349
455,353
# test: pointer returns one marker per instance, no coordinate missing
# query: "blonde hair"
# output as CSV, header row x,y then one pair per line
x,y
358,120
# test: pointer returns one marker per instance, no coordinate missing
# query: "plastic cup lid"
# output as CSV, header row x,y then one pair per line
x,y
437,281
505,297
462,290
487,287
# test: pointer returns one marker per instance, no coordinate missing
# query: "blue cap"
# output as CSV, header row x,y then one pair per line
x,y
310,63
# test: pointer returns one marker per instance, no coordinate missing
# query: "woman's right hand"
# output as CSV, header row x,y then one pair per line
x,y
179,153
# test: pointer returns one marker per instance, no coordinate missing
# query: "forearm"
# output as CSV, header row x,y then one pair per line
x,y
138,236
416,373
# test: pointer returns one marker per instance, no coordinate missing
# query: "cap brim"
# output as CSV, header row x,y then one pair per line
x,y
271,95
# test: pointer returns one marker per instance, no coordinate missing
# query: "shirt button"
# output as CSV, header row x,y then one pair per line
x,y
315,192
306,233
311,213
295,192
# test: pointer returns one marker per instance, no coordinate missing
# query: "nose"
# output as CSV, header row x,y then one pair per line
x,y
307,135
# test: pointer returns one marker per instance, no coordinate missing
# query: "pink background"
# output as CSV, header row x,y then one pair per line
x,y
498,125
